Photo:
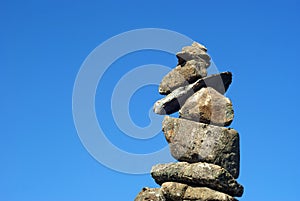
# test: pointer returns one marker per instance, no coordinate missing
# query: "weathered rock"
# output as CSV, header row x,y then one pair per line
x,y
208,106
174,191
192,142
198,175
194,52
150,194
200,46
206,194
175,100
182,76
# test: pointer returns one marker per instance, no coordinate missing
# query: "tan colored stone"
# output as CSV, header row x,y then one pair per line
x,y
150,194
208,106
182,76
174,191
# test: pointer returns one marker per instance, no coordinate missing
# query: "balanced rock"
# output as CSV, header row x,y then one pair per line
x,y
183,75
208,106
174,191
199,175
192,142
175,100
150,194
200,46
195,52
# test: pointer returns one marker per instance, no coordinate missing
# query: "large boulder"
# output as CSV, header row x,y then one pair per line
x,y
208,106
183,75
192,142
150,194
198,175
175,100
174,191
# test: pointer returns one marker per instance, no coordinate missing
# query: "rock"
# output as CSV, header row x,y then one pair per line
x,y
150,194
192,142
175,100
198,45
198,175
182,76
206,194
174,191
195,52
208,106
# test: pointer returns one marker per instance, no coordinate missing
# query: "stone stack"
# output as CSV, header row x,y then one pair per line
x,y
208,153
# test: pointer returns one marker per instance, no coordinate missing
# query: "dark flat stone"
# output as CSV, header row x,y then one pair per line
x,y
175,100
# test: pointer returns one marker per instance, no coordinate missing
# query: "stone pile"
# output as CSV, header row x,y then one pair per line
x,y
208,153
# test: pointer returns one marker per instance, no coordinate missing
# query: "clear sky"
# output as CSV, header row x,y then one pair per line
x,y
44,44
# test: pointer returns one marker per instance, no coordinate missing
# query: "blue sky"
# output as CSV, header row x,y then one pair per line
x,y
44,43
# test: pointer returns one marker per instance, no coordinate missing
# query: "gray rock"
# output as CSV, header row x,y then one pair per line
x,y
192,142
208,106
194,52
175,100
174,191
150,194
198,175
182,76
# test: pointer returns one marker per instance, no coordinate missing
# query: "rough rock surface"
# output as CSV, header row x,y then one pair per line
x,y
174,191
198,174
208,106
190,141
206,194
194,52
200,46
175,100
182,76
150,194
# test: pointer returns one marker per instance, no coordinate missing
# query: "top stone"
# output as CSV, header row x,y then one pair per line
x,y
195,52
192,64
198,45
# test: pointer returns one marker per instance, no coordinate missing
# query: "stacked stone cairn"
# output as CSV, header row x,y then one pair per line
x,y
207,152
